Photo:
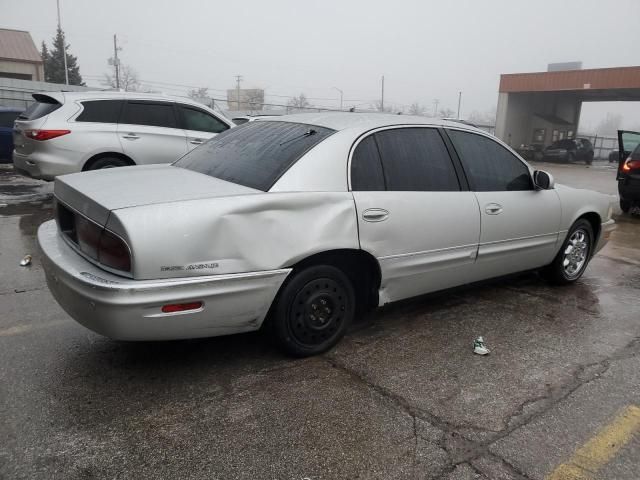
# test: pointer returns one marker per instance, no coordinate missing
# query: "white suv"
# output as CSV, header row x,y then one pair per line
x,y
66,132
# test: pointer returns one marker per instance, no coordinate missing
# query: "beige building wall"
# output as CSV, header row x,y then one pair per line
x,y
23,68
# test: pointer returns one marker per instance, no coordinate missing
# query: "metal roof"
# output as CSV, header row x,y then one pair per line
x,y
620,78
17,45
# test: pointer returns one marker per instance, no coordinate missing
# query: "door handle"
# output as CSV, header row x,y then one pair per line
x,y
375,215
493,209
131,136
196,141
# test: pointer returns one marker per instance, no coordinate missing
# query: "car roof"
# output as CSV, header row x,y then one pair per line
x,y
114,94
365,121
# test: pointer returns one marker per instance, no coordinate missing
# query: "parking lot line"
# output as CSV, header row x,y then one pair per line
x,y
600,449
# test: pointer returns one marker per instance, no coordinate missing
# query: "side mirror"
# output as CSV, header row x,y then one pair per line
x,y
543,180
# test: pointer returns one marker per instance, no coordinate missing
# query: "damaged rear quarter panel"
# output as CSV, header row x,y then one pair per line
x,y
234,234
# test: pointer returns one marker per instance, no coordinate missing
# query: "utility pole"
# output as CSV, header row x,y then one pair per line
x,y
64,46
341,93
459,102
435,107
238,79
382,98
116,61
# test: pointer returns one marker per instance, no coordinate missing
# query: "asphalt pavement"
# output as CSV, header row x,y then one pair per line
x,y
401,397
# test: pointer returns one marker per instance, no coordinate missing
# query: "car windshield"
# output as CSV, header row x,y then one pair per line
x,y
563,144
255,154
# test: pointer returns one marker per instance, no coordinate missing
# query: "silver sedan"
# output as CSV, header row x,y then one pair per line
x,y
299,222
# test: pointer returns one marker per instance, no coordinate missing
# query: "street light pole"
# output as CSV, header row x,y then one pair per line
x,y
459,101
341,94
64,46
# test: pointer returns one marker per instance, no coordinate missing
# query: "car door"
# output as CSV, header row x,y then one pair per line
x,y
519,224
149,133
199,125
414,215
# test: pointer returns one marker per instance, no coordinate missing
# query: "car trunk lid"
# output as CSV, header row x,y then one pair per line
x,y
34,118
94,194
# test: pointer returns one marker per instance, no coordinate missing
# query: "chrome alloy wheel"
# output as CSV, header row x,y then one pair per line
x,y
576,253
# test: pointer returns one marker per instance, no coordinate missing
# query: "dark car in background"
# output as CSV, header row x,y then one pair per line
x,y
628,169
569,150
8,115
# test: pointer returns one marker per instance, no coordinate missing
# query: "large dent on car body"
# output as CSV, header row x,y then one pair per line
x,y
235,234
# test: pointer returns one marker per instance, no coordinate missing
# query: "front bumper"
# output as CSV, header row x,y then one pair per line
x,y
127,309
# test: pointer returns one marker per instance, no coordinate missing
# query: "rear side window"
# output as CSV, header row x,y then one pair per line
x,y
44,105
489,166
102,111
154,114
366,168
255,154
195,119
7,119
416,159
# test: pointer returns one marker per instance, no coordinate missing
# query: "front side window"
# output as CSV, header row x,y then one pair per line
x,y
194,119
366,168
255,154
489,166
154,114
416,159
102,111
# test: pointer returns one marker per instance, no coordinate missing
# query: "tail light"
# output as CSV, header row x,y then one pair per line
x,y
113,252
93,240
41,135
181,307
630,164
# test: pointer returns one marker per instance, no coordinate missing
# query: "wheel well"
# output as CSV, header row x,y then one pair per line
x,y
595,221
88,163
361,267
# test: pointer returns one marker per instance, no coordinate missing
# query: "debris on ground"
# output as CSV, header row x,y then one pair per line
x,y
26,261
479,347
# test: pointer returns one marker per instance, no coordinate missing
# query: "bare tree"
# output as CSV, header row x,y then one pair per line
x,y
128,79
380,108
416,109
298,103
446,113
200,95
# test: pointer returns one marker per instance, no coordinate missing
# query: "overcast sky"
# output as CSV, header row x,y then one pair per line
x,y
425,49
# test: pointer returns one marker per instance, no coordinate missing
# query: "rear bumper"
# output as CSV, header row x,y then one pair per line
x,y
127,309
44,166
605,233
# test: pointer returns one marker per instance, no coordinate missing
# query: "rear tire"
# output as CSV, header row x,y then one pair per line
x,y
312,311
589,159
573,258
625,205
107,162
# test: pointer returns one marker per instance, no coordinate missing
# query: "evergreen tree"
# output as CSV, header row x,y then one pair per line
x,y
54,62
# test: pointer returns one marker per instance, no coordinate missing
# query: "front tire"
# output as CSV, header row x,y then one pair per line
x,y
313,311
107,162
573,258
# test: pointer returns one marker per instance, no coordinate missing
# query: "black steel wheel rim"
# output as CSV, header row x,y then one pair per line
x,y
317,311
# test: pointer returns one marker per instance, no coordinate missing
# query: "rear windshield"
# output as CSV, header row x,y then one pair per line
x,y
44,106
255,154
